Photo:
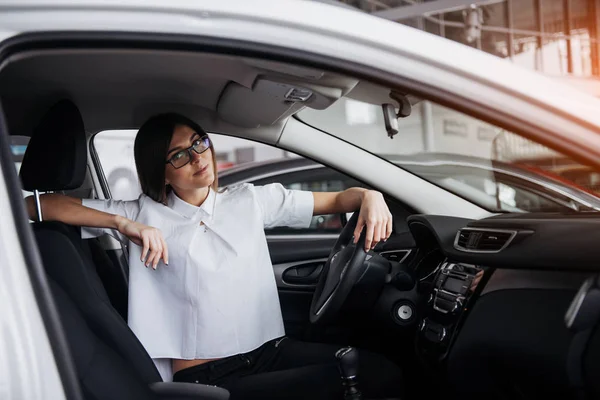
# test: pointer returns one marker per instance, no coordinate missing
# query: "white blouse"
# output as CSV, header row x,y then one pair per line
x,y
218,296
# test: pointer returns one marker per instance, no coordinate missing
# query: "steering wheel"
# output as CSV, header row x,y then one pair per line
x,y
345,265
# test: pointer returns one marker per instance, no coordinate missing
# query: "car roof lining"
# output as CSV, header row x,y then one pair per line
x,y
120,89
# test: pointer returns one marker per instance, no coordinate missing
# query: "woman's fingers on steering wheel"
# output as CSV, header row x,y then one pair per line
x,y
359,227
378,232
383,231
369,239
373,233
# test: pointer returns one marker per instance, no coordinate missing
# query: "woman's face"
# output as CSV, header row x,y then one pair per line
x,y
198,172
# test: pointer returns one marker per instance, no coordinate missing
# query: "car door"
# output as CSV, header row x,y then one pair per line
x,y
298,255
36,361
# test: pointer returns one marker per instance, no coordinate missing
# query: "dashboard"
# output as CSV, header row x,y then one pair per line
x,y
484,304
530,241
461,262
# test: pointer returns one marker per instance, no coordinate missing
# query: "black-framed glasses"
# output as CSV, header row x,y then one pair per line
x,y
182,157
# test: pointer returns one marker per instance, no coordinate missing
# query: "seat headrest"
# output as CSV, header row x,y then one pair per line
x,y
56,156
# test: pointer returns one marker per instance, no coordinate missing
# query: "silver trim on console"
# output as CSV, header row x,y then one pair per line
x,y
457,247
577,301
407,251
326,302
437,268
457,298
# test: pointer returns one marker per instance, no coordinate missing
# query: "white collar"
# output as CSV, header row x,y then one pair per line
x,y
189,210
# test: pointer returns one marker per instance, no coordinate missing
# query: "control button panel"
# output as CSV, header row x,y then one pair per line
x,y
433,331
452,286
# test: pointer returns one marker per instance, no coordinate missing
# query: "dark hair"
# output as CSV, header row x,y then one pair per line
x,y
150,151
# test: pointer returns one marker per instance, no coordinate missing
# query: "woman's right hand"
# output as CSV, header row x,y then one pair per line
x,y
150,239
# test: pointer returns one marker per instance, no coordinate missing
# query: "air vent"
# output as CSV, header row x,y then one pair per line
x,y
483,240
463,238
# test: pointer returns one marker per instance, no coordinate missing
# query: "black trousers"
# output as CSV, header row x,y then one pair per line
x,y
288,369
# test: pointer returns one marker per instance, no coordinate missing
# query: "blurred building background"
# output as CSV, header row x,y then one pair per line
x,y
558,38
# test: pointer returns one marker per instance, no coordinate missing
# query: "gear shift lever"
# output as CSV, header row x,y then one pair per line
x,y
348,364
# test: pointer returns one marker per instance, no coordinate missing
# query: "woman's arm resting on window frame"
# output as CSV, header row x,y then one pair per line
x,y
374,213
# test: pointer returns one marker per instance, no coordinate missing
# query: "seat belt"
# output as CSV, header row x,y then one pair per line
x,y
581,318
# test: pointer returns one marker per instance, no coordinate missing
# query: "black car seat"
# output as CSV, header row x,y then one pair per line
x,y
99,338
106,369
101,372
56,160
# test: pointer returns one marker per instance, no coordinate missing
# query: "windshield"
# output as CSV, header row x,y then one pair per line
x,y
489,166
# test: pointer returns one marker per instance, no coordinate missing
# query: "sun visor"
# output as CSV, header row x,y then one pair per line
x,y
270,101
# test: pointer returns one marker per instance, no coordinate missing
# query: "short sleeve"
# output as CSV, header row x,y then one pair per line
x,y
128,209
284,207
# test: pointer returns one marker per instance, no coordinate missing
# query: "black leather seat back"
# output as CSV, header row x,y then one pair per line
x,y
56,160
67,263
110,273
102,373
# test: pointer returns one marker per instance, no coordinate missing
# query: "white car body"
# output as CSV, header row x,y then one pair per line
x,y
556,115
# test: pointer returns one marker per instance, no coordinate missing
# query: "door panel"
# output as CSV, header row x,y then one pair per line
x,y
300,260
298,255
295,307
285,250
297,264
299,276
296,282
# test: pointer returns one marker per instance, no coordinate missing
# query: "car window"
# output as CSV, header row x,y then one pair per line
x,y
18,145
317,178
115,155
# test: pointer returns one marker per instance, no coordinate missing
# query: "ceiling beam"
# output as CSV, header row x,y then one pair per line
x,y
430,7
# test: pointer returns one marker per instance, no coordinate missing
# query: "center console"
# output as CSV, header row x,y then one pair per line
x,y
453,288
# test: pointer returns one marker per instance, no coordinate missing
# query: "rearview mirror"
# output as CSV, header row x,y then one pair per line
x,y
390,116
390,119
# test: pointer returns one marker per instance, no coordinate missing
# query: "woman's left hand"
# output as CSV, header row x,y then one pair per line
x,y
375,217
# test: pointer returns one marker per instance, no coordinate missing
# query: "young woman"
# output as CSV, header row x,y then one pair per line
x,y
202,295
